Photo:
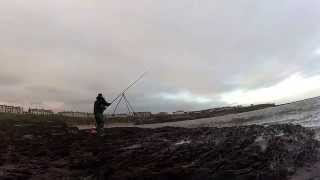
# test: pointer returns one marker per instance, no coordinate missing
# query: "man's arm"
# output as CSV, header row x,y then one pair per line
x,y
106,103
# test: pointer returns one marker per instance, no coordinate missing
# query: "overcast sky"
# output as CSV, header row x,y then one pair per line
x,y
199,54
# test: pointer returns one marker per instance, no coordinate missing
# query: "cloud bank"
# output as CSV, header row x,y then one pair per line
x,y
199,54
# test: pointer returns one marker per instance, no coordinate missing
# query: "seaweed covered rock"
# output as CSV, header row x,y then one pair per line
x,y
51,150
252,152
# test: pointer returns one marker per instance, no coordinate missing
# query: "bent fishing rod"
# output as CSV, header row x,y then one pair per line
x,y
131,85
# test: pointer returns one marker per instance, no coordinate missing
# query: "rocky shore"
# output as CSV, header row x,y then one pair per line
x,y
49,149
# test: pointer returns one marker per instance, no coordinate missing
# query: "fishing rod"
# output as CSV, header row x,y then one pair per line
x,y
131,85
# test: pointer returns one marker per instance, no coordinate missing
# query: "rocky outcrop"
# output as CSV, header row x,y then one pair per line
x,y
51,150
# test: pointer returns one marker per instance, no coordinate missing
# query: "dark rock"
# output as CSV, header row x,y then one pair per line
x,y
54,151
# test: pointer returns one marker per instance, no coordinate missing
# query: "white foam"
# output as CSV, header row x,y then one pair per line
x,y
182,142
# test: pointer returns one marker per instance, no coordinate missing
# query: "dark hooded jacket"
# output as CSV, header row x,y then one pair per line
x,y
100,104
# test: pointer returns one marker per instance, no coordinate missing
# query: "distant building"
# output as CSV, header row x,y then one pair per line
x,y
118,115
195,112
162,114
178,113
143,114
11,109
76,114
40,111
221,109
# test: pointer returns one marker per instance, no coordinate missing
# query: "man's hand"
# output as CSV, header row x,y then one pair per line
x,y
108,104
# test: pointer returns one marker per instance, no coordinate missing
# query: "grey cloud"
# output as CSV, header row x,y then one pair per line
x,y
9,80
67,51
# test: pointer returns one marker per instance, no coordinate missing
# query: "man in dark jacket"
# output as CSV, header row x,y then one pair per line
x,y
100,106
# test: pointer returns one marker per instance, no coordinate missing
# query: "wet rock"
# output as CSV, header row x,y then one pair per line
x,y
182,142
135,146
28,137
55,151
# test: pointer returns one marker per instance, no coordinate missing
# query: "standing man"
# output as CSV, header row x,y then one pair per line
x,y
100,105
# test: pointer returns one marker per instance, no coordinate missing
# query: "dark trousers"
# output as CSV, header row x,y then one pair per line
x,y
99,123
